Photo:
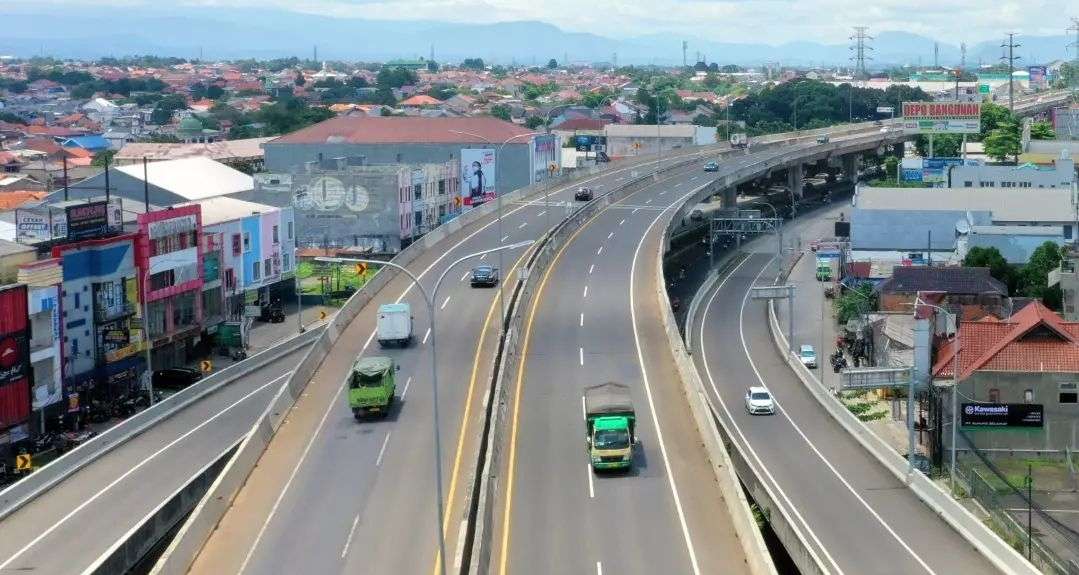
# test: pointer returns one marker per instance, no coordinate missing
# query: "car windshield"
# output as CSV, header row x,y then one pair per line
x,y
760,395
482,271
364,380
807,353
611,439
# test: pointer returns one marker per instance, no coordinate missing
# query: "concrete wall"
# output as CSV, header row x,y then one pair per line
x,y
513,170
1061,428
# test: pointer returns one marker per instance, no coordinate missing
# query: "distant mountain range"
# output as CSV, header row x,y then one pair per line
x,y
225,33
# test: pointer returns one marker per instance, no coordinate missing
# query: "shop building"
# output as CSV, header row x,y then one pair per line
x,y
42,279
15,374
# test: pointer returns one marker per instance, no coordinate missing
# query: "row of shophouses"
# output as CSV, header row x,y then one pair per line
x,y
89,300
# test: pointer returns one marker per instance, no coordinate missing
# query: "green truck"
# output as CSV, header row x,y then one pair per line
x,y
371,386
611,423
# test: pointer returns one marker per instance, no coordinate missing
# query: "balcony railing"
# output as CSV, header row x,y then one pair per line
x,y
103,314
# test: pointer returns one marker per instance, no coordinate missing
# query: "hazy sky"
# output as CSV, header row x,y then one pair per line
x,y
769,21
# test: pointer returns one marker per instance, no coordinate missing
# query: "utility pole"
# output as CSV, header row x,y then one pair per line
x,y
860,46
936,54
685,46
963,56
1075,56
314,54
1010,45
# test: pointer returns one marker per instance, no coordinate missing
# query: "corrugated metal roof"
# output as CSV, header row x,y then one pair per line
x,y
909,230
193,178
406,130
1016,246
1006,204
226,209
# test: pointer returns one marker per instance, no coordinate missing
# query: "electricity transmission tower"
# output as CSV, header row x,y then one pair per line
x,y
860,46
1010,46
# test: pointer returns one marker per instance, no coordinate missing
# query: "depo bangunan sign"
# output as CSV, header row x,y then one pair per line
x,y
942,117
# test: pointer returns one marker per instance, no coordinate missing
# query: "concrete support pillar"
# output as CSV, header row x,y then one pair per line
x,y
850,166
794,180
730,197
898,150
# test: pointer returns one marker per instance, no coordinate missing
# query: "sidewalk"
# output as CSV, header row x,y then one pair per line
x,y
264,335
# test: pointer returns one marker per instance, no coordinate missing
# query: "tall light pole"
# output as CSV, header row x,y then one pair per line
x,y
498,198
429,301
299,294
147,341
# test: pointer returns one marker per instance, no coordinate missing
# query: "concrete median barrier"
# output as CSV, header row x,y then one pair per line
x,y
993,548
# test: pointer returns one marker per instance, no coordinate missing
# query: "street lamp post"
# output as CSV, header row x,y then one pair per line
x,y
429,302
147,343
498,199
299,295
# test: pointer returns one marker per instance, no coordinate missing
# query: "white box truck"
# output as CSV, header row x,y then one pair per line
x,y
394,324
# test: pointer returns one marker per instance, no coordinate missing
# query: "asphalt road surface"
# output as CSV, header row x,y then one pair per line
x,y
857,516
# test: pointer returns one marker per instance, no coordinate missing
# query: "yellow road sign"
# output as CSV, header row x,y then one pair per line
x,y
361,268
24,462
322,315
206,366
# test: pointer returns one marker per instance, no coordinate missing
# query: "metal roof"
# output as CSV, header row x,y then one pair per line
x,y
192,178
1033,205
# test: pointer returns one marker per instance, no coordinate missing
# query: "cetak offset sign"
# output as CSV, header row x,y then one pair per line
x,y
942,117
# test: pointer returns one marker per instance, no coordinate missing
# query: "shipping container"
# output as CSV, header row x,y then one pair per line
x,y
14,403
13,311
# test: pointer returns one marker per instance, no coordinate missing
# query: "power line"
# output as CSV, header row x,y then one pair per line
x,y
1010,45
860,46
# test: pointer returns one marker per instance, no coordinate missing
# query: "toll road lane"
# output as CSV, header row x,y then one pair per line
x,y
854,512
634,523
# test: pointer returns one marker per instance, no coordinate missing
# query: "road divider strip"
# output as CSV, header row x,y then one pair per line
x,y
992,547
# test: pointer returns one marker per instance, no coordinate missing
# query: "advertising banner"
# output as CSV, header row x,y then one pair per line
x,y
885,109
1002,415
545,151
87,221
1037,76
932,170
14,357
171,227
942,117
478,176
40,225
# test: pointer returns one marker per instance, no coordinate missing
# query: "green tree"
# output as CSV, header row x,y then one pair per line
x,y
82,91
300,80
990,257
442,92
102,158
891,165
11,118
552,63
396,77
1003,142
854,303
501,111
1034,276
595,99
473,64
214,92
534,122
166,107
1042,131
432,66
993,117
944,145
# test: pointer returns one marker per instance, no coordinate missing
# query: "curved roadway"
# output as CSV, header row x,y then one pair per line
x,y
856,516
331,495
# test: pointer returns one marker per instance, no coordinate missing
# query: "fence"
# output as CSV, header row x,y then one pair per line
x,y
1052,546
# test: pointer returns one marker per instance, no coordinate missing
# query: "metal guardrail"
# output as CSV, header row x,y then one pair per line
x,y
25,490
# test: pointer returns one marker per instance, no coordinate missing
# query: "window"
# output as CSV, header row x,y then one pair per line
x,y
417,191
1068,393
994,395
290,230
162,280
230,279
968,184
235,244
247,242
76,300
1028,396
285,261
267,267
442,187
256,271
276,236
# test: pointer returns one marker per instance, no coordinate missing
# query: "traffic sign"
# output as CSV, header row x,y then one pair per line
x,y
885,109
206,366
322,315
361,268
24,462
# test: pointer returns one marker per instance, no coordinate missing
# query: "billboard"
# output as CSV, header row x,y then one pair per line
x,y
87,221
932,170
942,117
1037,76
40,225
1002,415
478,176
546,150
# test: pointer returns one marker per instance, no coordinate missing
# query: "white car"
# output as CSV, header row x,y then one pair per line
x,y
758,400
808,356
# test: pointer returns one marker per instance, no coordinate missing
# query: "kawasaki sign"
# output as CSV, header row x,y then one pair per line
x,y
1002,415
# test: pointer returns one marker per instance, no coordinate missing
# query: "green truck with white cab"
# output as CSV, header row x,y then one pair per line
x,y
371,386
611,423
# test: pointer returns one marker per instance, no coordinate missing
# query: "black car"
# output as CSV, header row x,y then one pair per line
x,y
175,377
484,276
711,167
583,194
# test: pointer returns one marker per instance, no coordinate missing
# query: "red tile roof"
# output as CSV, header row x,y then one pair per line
x,y
405,130
421,100
14,199
580,124
46,145
1035,339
